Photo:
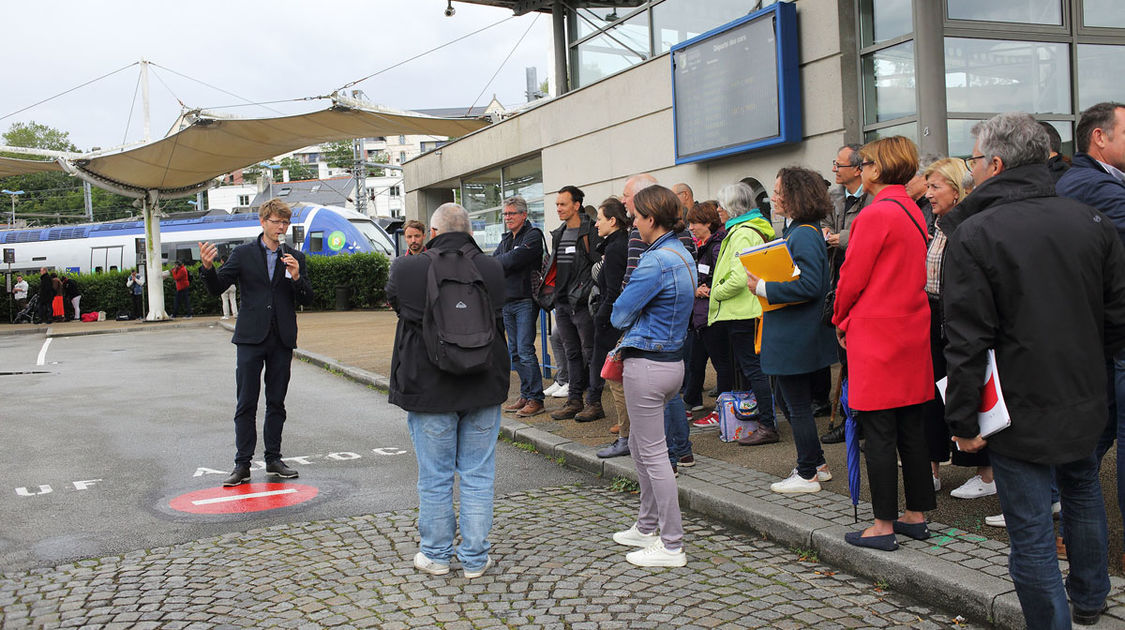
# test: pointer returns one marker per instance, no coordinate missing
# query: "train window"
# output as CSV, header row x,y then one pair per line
x,y
316,241
113,267
39,258
97,270
377,237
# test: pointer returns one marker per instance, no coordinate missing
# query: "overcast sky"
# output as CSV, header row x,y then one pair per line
x,y
258,51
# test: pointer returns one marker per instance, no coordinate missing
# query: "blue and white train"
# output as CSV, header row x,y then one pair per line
x,y
94,247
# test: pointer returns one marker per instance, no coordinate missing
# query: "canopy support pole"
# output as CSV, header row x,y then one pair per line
x,y
154,279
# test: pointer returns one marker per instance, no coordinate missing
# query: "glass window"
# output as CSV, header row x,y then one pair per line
x,y
1099,76
590,20
481,191
675,21
1107,13
1019,11
961,139
526,180
888,83
881,20
621,47
990,75
910,130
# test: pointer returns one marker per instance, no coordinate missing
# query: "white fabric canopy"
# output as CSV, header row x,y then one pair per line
x,y
12,166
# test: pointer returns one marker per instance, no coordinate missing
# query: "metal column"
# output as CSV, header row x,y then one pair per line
x,y
929,69
558,17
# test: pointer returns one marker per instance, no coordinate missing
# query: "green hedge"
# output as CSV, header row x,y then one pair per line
x,y
365,275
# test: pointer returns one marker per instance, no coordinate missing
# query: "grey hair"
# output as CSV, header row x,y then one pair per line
x,y
736,199
517,202
641,181
967,182
451,217
1014,137
926,160
854,159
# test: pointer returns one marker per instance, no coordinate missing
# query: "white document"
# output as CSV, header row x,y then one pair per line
x,y
704,268
993,413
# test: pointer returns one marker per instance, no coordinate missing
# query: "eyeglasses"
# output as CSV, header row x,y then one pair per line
x,y
969,160
278,222
511,214
863,164
837,165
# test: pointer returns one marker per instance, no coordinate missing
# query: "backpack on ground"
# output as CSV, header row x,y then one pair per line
x,y
458,325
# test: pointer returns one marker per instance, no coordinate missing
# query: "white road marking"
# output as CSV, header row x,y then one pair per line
x,y
241,497
43,352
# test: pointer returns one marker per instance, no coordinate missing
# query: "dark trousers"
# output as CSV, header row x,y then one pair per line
x,y
696,367
718,348
890,432
938,443
46,309
796,390
821,384
277,359
138,307
182,296
577,330
740,336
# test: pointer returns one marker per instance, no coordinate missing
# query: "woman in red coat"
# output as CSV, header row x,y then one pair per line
x,y
882,318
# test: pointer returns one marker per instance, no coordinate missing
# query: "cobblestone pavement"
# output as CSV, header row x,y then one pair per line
x,y
556,568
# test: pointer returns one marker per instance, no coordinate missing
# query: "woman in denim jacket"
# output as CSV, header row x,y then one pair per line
x,y
653,309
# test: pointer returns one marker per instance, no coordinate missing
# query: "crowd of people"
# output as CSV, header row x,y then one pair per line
x,y
908,271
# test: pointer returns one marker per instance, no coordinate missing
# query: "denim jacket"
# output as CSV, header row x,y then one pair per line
x,y
656,303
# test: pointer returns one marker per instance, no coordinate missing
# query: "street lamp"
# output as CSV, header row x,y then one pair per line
x,y
14,194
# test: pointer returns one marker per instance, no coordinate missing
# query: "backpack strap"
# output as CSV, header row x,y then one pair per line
x,y
925,239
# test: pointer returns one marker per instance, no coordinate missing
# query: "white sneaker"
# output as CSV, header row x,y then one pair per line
x,y
795,484
998,520
562,392
974,489
422,563
822,473
937,484
655,555
550,391
633,537
479,572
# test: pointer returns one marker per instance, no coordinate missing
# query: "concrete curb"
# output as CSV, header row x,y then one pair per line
x,y
973,594
132,327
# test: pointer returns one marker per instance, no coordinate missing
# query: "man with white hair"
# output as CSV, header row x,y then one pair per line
x,y
1040,280
453,418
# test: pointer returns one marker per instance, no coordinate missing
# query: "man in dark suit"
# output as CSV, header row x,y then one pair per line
x,y
273,280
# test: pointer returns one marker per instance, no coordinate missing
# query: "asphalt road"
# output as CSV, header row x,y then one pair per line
x,y
101,437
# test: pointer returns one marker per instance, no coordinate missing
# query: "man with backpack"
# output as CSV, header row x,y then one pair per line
x,y
520,252
450,372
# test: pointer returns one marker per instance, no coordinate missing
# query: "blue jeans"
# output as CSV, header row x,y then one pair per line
x,y
796,390
676,427
183,296
462,442
1025,497
520,318
1115,427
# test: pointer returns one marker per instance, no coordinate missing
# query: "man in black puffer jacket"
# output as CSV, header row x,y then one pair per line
x,y
1041,280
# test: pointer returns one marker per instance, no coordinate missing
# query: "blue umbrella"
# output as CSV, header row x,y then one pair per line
x,y
852,441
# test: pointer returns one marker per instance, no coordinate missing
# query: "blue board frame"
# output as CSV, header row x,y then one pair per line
x,y
784,16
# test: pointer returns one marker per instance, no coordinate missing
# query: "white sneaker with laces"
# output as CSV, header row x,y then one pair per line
x,y
822,473
795,484
479,572
550,391
562,392
655,555
422,563
974,489
633,537
998,520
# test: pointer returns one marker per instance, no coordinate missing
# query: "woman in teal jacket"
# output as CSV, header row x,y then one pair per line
x,y
734,309
795,344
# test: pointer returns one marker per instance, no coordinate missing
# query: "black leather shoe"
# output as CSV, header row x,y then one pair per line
x,y
821,409
240,476
1088,618
279,469
619,447
834,434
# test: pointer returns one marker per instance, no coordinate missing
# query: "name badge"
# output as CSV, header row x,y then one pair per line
x,y
704,268
569,250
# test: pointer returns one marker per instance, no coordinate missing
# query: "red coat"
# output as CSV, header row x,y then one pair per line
x,y
881,305
180,275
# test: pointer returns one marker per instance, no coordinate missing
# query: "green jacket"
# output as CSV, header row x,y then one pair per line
x,y
730,297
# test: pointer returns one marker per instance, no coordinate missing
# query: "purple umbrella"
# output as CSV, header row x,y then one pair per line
x,y
852,441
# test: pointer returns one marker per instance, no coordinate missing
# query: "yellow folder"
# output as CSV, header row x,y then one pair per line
x,y
771,262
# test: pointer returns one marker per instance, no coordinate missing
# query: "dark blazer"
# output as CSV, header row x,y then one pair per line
x,y
1089,183
261,301
416,383
520,254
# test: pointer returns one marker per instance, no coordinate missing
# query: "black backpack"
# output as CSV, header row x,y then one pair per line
x,y
458,325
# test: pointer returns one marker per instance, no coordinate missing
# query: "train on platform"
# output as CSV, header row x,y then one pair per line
x,y
91,248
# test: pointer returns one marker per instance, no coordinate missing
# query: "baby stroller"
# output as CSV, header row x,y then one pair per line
x,y
30,313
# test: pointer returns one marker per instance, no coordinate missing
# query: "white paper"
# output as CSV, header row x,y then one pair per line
x,y
704,268
993,415
569,250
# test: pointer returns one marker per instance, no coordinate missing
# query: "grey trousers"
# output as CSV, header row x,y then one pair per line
x,y
649,385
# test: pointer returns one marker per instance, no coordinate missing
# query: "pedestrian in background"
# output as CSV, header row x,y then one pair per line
x,y
136,285
653,310
183,290
73,294
19,292
453,419
882,319
46,295
414,232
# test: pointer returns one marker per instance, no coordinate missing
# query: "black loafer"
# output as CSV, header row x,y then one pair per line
x,y
834,435
240,476
887,542
1086,618
279,469
917,531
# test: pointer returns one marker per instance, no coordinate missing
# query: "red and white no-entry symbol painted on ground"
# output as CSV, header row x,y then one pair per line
x,y
248,497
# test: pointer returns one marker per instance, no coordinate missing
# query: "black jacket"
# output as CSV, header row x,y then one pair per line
x,y
615,254
1041,279
520,254
418,385
585,255
261,301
